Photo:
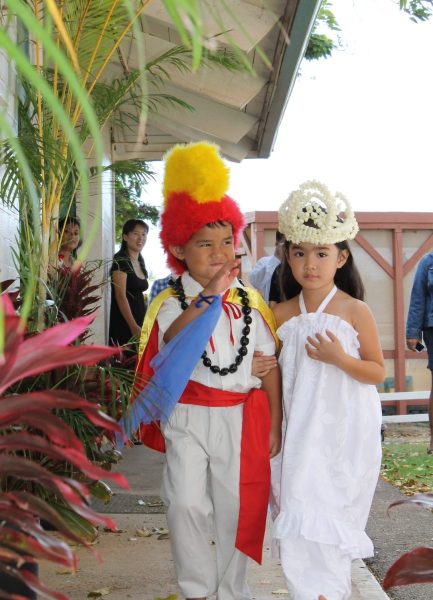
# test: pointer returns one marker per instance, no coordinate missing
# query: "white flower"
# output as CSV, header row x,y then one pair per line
x,y
312,214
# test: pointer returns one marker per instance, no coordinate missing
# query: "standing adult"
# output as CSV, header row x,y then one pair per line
x,y
261,275
128,284
419,324
69,233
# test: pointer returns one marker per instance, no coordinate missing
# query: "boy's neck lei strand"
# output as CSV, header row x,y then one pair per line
x,y
244,341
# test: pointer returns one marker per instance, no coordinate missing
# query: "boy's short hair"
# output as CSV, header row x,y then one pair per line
x,y
195,182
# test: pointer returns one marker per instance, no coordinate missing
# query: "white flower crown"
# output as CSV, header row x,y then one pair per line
x,y
312,214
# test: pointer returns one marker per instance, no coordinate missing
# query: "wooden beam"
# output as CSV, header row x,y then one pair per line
x,y
375,255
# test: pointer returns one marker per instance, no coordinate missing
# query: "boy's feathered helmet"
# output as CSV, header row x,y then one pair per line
x,y
195,184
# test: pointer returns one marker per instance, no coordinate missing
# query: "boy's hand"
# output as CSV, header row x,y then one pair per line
x,y
326,350
223,278
262,365
274,442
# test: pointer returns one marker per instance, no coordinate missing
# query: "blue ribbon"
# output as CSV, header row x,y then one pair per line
x,y
172,366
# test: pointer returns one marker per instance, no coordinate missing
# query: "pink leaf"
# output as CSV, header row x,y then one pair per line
x,y
32,582
419,499
32,359
36,443
415,566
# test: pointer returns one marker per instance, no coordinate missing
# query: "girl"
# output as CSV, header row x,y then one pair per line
x,y
128,284
331,359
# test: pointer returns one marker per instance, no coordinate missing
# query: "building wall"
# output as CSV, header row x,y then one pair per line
x,y
9,217
101,211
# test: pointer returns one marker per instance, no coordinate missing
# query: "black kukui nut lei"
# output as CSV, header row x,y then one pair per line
x,y
244,341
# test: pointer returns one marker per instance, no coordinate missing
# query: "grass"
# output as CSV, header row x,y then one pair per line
x,y
408,467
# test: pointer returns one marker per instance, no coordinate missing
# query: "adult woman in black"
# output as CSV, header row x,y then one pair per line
x,y
128,284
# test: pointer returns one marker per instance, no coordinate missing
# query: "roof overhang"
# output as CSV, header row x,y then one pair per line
x,y
240,112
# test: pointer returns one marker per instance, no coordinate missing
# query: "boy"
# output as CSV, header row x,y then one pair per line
x,y
224,429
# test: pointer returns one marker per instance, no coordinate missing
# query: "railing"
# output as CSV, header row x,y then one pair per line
x,y
404,397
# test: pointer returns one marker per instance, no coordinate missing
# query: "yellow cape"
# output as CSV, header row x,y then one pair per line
x,y
255,299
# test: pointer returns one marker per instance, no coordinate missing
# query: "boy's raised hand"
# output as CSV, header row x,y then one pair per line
x,y
223,278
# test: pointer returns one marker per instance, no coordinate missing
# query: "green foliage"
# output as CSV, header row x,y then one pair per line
x,y
408,467
321,45
129,179
418,10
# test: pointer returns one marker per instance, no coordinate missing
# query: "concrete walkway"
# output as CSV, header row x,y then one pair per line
x,y
139,508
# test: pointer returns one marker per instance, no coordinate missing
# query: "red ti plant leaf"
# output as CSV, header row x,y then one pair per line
x,y
415,566
36,443
28,423
12,407
46,351
33,583
419,499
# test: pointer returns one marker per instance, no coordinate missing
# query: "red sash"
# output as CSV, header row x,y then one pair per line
x,y
254,480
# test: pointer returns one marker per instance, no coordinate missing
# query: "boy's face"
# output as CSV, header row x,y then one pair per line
x,y
207,251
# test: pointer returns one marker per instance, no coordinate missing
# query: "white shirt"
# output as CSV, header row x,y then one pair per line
x,y
261,275
260,338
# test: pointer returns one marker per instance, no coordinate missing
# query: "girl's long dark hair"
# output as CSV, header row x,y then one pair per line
x,y
347,278
129,226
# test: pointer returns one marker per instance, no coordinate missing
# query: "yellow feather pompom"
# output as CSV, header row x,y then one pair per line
x,y
196,169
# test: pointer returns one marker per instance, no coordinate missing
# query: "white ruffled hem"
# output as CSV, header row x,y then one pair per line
x,y
319,527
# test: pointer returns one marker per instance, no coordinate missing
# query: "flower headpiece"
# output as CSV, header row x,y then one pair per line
x,y
195,184
312,214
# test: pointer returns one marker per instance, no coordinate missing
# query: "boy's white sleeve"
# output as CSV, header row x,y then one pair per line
x,y
264,339
168,313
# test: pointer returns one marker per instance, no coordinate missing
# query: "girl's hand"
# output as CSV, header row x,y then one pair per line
x,y
262,365
274,442
326,350
223,278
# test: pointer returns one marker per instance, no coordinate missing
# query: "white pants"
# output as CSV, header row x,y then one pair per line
x,y
311,569
201,478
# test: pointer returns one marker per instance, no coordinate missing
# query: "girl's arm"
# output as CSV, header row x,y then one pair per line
x,y
369,368
216,286
119,285
271,383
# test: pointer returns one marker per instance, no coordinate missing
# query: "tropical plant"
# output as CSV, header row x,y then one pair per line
x,y
129,179
320,45
67,97
415,566
30,427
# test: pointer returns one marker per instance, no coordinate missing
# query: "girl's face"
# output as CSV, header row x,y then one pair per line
x,y
135,239
314,266
207,251
70,238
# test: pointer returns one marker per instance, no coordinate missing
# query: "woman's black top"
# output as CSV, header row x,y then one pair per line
x,y
120,333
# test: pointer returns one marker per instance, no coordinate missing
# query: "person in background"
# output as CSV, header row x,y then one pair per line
x,y
128,284
275,288
419,325
69,233
261,275
159,285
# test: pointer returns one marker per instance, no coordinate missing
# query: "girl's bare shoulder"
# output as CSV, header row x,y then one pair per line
x,y
351,309
286,310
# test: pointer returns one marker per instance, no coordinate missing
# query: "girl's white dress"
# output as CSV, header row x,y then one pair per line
x,y
325,476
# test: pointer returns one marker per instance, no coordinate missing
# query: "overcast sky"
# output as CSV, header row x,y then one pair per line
x,y
361,122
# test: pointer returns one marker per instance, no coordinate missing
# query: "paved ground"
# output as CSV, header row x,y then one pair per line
x,y
141,568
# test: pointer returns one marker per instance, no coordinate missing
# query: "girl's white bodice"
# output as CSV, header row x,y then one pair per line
x,y
325,476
